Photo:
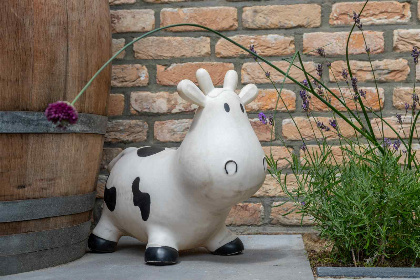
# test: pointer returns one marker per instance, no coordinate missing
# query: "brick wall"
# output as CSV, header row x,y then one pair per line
x,y
145,109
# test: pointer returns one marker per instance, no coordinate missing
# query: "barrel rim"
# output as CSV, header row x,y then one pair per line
x,y
36,122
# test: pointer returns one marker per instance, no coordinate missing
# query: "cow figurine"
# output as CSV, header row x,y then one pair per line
x,y
178,199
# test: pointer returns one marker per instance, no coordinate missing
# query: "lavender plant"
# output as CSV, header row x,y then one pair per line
x,y
365,202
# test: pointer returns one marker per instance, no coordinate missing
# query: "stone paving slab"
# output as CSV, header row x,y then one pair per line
x,y
266,257
380,272
322,278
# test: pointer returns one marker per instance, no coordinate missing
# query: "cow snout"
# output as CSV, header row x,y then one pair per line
x,y
231,167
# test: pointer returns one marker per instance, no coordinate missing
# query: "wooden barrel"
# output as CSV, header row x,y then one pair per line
x,y
49,49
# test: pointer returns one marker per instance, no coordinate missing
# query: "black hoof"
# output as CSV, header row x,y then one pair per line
x,y
161,255
234,247
100,245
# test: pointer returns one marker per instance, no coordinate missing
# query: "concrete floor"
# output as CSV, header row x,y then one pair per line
x,y
266,257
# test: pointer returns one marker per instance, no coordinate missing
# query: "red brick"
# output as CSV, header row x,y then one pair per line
x,y
282,16
402,129
100,185
171,47
281,154
115,104
171,130
163,1
403,95
129,75
334,43
245,214
217,18
336,156
251,72
267,99
159,102
108,154
272,188
405,40
118,44
173,74
263,131
371,100
387,70
126,131
375,12
265,45
278,217
132,21
309,130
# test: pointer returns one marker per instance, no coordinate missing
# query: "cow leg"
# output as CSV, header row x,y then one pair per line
x,y
224,243
105,236
161,248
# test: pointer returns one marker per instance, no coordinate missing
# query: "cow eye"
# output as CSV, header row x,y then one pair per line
x,y
227,108
242,108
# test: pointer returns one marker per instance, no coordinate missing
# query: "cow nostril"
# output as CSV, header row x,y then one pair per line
x,y
264,164
231,167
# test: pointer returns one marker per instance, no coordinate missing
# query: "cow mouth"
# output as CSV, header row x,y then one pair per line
x,y
231,167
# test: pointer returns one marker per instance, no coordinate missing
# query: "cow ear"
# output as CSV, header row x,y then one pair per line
x,y
191,93
248,93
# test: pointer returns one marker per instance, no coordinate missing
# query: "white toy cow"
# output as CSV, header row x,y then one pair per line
x,y
179,199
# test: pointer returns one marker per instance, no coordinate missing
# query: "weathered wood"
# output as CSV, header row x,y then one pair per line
x,y
48,51
44,224
44,165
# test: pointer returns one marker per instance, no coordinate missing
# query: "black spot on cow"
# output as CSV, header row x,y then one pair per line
x,y
227,108
242,108
141,200
148,151
110,198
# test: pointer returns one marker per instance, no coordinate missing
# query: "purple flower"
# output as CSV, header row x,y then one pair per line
x,y
262,117
321,51
271,120
322,126
303,203
362,93
329,64
399,118
367,50
415,54
305,83
344,74
304,148
356,18
319,69
354,84
61,113
397,144
386,142
252,49
406,105
333,123
267,74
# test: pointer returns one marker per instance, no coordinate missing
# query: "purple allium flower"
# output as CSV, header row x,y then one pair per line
x,y
321,51
252,49
399,118
362,93
344,74
61,113
262,117
333,123
415,54
406,105
354,84
356,18
397,144
304,148
267,74
319,69
271,120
